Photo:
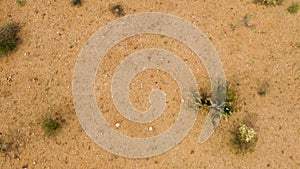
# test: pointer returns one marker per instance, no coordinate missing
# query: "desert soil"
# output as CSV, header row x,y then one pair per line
x,y
36,80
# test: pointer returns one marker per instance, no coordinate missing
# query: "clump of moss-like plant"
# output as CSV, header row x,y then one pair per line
x,y
50,126
293,8
8,38
268,2
244,139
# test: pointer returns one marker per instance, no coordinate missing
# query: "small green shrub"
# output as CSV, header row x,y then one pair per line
x,y
50,126
8,38
244,139
268,2
293,8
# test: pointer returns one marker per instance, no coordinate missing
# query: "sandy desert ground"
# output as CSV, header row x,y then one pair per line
x,y
36,80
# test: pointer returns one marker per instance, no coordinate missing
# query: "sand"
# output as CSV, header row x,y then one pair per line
x,y
36,79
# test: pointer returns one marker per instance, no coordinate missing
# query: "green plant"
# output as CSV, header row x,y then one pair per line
x,y
227,107
230,103
21,2
117,10
50,126
244,139
201,99
8,38
268,2
76,2
293,8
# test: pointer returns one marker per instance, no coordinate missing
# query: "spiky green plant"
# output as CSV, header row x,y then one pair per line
x,y
203,100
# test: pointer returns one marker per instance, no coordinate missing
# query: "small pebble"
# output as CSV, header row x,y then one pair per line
x,y
117,125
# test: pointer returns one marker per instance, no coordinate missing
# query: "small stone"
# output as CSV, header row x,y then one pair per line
x,y
117,125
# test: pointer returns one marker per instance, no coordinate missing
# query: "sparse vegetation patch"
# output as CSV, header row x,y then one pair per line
x,y
244,139
293,8
268,2
8,38
5,146
10,145
50,126
21,2
203,100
